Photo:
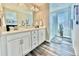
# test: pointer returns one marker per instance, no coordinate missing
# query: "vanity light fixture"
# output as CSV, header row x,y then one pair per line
x,y
35,8
32,7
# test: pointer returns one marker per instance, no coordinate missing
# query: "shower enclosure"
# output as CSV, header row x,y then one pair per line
x,y
64,19
60,17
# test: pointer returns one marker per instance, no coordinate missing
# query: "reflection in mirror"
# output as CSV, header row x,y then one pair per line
x,y
19,17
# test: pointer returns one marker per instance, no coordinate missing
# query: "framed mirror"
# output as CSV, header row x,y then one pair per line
x,y
10,17
25,18
19,17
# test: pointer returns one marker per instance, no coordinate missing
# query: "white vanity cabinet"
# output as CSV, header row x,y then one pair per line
x,y
42,35
21,43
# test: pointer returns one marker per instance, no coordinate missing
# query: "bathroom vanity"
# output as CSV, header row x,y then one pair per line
x,y
21,42
21,31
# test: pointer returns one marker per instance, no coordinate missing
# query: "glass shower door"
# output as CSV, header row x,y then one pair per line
x,y
64,20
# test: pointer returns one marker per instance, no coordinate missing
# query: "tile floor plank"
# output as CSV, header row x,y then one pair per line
x,y
64,48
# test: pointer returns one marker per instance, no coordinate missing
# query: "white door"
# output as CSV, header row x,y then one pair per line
x,y
26,43
75,31
42,36
14,48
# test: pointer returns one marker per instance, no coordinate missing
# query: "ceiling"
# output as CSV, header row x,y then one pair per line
x,y
26,6
57,6
40,6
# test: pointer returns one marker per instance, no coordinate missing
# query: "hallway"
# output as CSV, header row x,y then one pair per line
x,y
64,48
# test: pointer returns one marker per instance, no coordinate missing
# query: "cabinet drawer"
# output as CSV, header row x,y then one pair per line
x,y
34,33
12,36
34,44
15,36
34,38
33,41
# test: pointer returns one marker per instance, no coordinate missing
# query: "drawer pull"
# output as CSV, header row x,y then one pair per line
x,y
35,43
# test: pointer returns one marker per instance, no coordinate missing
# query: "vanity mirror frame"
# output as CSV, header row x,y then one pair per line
x,y
28,13
10,17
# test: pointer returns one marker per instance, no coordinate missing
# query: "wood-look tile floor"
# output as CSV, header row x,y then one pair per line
x,y
64,48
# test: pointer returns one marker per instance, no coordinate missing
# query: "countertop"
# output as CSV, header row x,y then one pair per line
x,y
21,30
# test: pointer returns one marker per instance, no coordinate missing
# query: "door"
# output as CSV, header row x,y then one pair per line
x,y
64,20
14,48
75,31
26,43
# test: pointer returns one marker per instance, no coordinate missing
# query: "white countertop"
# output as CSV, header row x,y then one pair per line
x,y
21,30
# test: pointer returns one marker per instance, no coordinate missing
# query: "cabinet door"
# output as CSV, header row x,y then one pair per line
x,y
42,35
3,46
26,43
14,48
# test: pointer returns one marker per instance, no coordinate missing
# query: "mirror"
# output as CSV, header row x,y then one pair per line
x,y
10,17
19,17
25,18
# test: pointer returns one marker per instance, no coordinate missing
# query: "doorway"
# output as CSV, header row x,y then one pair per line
x,y
64,17
60,17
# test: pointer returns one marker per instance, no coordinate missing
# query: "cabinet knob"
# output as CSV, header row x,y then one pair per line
x,y
35,43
